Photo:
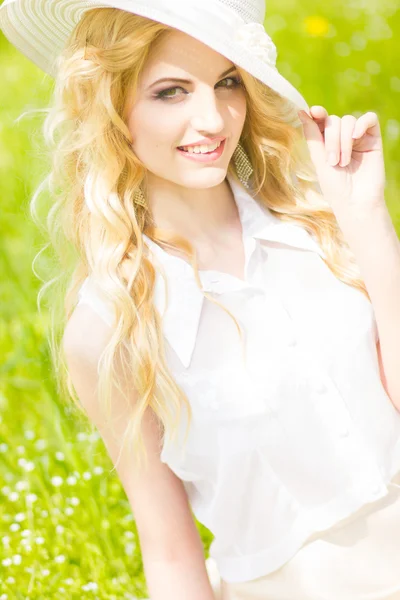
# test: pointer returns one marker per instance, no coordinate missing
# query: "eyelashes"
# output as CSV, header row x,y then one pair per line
x,y
163,95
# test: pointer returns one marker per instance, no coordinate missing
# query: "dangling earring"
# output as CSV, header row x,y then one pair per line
x,y
244,168
139,197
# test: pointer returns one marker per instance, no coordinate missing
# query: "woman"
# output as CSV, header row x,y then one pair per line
x,y
207,216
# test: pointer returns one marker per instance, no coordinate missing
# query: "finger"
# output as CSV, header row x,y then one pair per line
x,y
346,142
314,139
319,114
367,122
332,139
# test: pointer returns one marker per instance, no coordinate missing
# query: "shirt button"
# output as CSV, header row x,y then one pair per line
x,y
344,433
319,386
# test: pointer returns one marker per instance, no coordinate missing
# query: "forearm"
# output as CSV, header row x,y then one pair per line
x,y
373,239
178,580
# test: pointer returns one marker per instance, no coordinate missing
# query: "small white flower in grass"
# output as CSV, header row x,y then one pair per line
x,y
22,462
59,559
40,444
31,498
20,486
60,456
10,580
75,501
13,497
57,481
45,572
91,586
69,581
71,480
130,549
59,529
26,533
15,527
69,511
61,589
44,513
6,539
20,517
87,475
20,449
3,447
254,38
29,466
40,540
17,559
128,517
129,534
81,436
29,434
5,490
4,596
6,562
98,470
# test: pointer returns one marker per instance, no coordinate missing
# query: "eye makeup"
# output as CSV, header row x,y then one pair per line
x,y
163,95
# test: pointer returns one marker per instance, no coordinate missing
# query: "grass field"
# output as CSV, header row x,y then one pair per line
x,y
66,527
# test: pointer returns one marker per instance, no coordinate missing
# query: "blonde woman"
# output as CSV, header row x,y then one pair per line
x,y
232,323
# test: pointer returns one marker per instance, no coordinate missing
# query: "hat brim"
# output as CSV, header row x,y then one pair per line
x,y
40,30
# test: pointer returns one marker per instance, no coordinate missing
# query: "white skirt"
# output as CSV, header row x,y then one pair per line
x,y
357,559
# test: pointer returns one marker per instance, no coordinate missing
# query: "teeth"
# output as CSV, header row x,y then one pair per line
x,y
201,149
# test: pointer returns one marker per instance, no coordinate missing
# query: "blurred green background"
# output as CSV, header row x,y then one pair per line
x,y
66,527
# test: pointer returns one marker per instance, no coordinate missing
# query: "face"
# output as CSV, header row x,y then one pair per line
x,y
166,115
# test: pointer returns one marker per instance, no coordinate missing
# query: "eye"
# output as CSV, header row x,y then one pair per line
x,y
237,82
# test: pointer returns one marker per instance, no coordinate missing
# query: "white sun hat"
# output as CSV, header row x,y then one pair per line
x,y
234,28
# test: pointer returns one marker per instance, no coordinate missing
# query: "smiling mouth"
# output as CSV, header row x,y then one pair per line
x,y
185,149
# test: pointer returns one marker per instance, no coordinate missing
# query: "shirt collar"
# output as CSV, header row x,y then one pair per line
x,y
182,310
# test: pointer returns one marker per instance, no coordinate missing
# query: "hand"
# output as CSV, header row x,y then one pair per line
x,y
356,178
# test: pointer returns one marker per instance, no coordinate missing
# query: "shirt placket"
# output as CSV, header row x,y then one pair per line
x,y
334,406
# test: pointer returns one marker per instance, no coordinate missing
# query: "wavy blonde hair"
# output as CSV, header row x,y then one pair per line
x,y
87,135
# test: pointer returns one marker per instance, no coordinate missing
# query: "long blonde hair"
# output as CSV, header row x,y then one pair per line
x,y
87,135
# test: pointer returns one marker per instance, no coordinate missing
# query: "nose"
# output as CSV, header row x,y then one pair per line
x,y
206,113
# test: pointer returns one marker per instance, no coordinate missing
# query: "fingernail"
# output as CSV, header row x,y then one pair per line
x,y
332,158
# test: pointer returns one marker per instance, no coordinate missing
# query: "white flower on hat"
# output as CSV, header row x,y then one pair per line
x,y
254,38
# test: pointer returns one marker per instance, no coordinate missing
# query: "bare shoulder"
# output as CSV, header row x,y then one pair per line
x,y
86,333
154,493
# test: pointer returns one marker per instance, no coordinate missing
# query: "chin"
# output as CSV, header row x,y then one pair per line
x,y
206,180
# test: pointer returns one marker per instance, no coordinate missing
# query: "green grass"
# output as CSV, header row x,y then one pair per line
x,y
67,530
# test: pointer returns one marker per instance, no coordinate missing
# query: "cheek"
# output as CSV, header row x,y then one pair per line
x,y
243,109
238,111
150,129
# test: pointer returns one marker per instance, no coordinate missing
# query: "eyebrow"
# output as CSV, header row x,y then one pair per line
x,y
224,74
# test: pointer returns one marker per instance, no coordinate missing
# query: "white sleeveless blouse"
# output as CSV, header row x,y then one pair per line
x,y
300,436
